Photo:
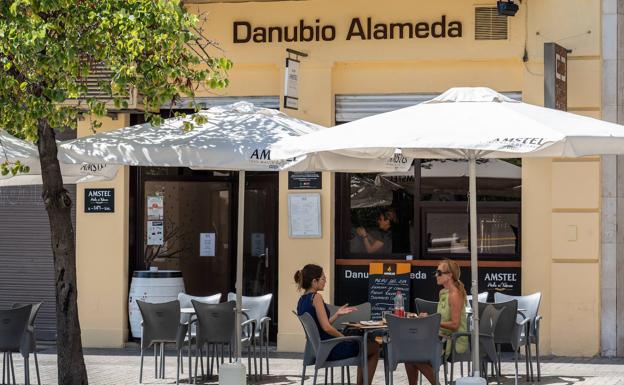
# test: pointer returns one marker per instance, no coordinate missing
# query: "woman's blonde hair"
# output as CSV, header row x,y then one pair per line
x,y
453,268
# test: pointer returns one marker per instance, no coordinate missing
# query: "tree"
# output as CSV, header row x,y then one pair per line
x,y
48,48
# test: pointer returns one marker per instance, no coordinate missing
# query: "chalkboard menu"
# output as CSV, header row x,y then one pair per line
x,y
384,280
99,200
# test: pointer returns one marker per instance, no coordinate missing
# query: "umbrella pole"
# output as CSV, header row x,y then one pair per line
x,y
472,197
239,261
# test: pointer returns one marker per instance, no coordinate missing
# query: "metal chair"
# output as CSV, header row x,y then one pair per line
x,y
31,330
161,325
322,348
424,306
414,340
258,310
363,313
487,348
481,297
509,330
530,304
215,328
185,302
15,334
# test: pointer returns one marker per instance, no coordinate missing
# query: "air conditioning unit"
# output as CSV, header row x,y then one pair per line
x,y
100,74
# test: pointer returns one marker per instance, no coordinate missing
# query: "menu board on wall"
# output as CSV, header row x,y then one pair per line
x,y
304,215
384,280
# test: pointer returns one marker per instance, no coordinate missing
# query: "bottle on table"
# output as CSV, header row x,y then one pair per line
x,y
399,309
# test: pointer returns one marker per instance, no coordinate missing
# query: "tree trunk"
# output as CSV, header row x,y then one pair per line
x,y
71,367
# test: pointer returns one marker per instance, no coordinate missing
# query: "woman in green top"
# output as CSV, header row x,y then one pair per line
x,y
452,308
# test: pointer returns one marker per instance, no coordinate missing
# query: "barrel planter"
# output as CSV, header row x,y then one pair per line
x,y
151,286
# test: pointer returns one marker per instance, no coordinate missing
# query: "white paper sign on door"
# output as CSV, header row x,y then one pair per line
x,y
207,244
155,233
155,207
257,244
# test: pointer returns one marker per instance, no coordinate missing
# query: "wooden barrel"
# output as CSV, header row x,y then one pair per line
x,y
151,286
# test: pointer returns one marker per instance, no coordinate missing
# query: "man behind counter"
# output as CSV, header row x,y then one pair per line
x,y
379,240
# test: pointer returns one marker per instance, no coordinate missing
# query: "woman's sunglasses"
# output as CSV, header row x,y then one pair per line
x,y
439,273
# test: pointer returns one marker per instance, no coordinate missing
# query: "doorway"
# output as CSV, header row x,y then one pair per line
x,y
198,229
260,262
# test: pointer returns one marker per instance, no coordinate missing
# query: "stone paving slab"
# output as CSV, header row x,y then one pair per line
x,y
121,367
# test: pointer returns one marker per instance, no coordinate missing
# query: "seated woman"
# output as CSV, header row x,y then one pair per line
x,y
452,308
312,279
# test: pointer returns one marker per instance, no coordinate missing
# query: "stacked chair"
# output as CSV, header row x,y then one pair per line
x,y
257,309
216,330
487,348
530,310
185,302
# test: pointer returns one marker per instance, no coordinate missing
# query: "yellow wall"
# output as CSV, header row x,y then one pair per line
x,y
560,197
294,254
102,258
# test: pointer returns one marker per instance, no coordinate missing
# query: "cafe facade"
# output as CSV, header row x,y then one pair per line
x,y
545,225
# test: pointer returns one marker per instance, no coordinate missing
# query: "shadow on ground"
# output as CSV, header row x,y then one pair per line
x,y
545,380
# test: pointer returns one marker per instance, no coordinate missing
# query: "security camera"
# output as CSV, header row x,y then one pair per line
x,y
506,7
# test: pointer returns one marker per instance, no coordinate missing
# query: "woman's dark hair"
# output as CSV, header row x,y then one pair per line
x,y
304,277
389,215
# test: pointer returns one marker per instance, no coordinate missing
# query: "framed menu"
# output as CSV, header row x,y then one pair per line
x,y
304,215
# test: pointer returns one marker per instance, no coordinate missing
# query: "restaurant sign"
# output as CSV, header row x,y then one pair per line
x,y
352,283
99,200
305,180
357,29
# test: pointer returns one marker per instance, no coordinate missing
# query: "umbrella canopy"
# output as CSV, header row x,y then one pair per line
x,y
235,137
13,149
467,123
463,120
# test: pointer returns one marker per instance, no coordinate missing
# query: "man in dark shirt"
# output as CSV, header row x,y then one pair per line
x,y
377,241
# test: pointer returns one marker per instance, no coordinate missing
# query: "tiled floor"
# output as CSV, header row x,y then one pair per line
x,y
121,366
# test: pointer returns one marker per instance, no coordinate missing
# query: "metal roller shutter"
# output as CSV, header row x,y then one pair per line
x,y
26,262
354,107
207,102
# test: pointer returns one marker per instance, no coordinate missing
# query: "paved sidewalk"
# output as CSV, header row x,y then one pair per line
x,y
121,367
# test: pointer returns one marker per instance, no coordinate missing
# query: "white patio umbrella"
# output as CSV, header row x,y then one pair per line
x,y
467,123
13,149
235,137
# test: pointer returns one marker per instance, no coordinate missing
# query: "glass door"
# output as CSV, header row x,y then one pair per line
x,y
260,264
187,227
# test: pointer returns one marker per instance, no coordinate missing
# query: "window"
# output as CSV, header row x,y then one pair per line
x,y
424,212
